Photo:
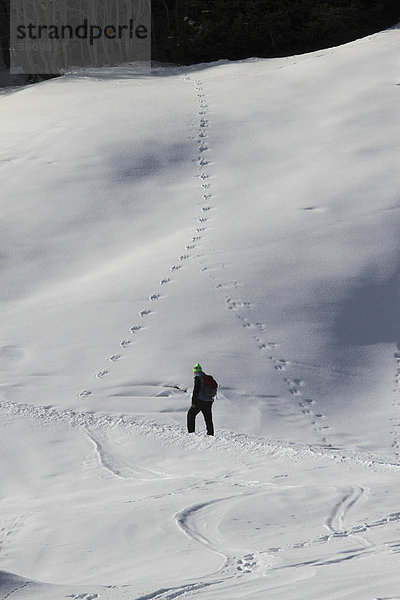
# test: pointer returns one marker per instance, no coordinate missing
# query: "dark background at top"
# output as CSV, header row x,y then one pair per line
x,y
189,31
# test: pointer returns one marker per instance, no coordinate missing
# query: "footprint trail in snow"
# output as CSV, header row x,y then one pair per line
x,y
175,269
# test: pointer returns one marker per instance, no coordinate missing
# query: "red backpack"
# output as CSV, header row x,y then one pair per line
x,y
209,386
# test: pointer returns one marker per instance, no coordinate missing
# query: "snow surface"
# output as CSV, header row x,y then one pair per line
x,y
244,215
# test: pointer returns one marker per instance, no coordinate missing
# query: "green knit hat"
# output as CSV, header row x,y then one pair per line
x,y
197,368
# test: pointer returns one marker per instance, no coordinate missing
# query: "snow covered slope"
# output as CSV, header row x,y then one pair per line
x,y
244,215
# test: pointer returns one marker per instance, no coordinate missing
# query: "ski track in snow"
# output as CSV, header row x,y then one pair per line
x,y
335,523
348,499
102,458
201,520
173,593
240,445
128,469
202,219
232,566
261,562
184,521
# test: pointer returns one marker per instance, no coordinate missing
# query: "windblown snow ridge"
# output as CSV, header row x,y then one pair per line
x,y
238,444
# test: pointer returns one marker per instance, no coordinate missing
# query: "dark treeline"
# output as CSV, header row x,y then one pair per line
x,y
190,31
5,32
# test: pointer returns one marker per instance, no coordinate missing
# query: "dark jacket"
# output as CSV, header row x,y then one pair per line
x,y
197,395
198,389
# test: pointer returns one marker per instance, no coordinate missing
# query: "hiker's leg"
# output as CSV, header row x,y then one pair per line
x,y
207,414
191,418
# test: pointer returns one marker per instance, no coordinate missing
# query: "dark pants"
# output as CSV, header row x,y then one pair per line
x,y
204,407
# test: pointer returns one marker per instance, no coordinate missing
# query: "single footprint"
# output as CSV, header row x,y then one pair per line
x,y
114,357
101,374
295,391
278,367
125,343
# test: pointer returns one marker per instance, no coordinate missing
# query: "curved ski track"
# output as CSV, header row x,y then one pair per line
x,y
93,426
248,449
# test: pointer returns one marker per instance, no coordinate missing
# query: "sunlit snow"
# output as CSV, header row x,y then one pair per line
x,y
244,215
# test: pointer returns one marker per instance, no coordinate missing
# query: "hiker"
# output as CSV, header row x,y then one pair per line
x,y
205,388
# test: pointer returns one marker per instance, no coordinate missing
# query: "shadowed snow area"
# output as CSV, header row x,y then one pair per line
x,y
244,215
371,314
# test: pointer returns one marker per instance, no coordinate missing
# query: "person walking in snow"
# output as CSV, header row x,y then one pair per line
x,y
202,401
